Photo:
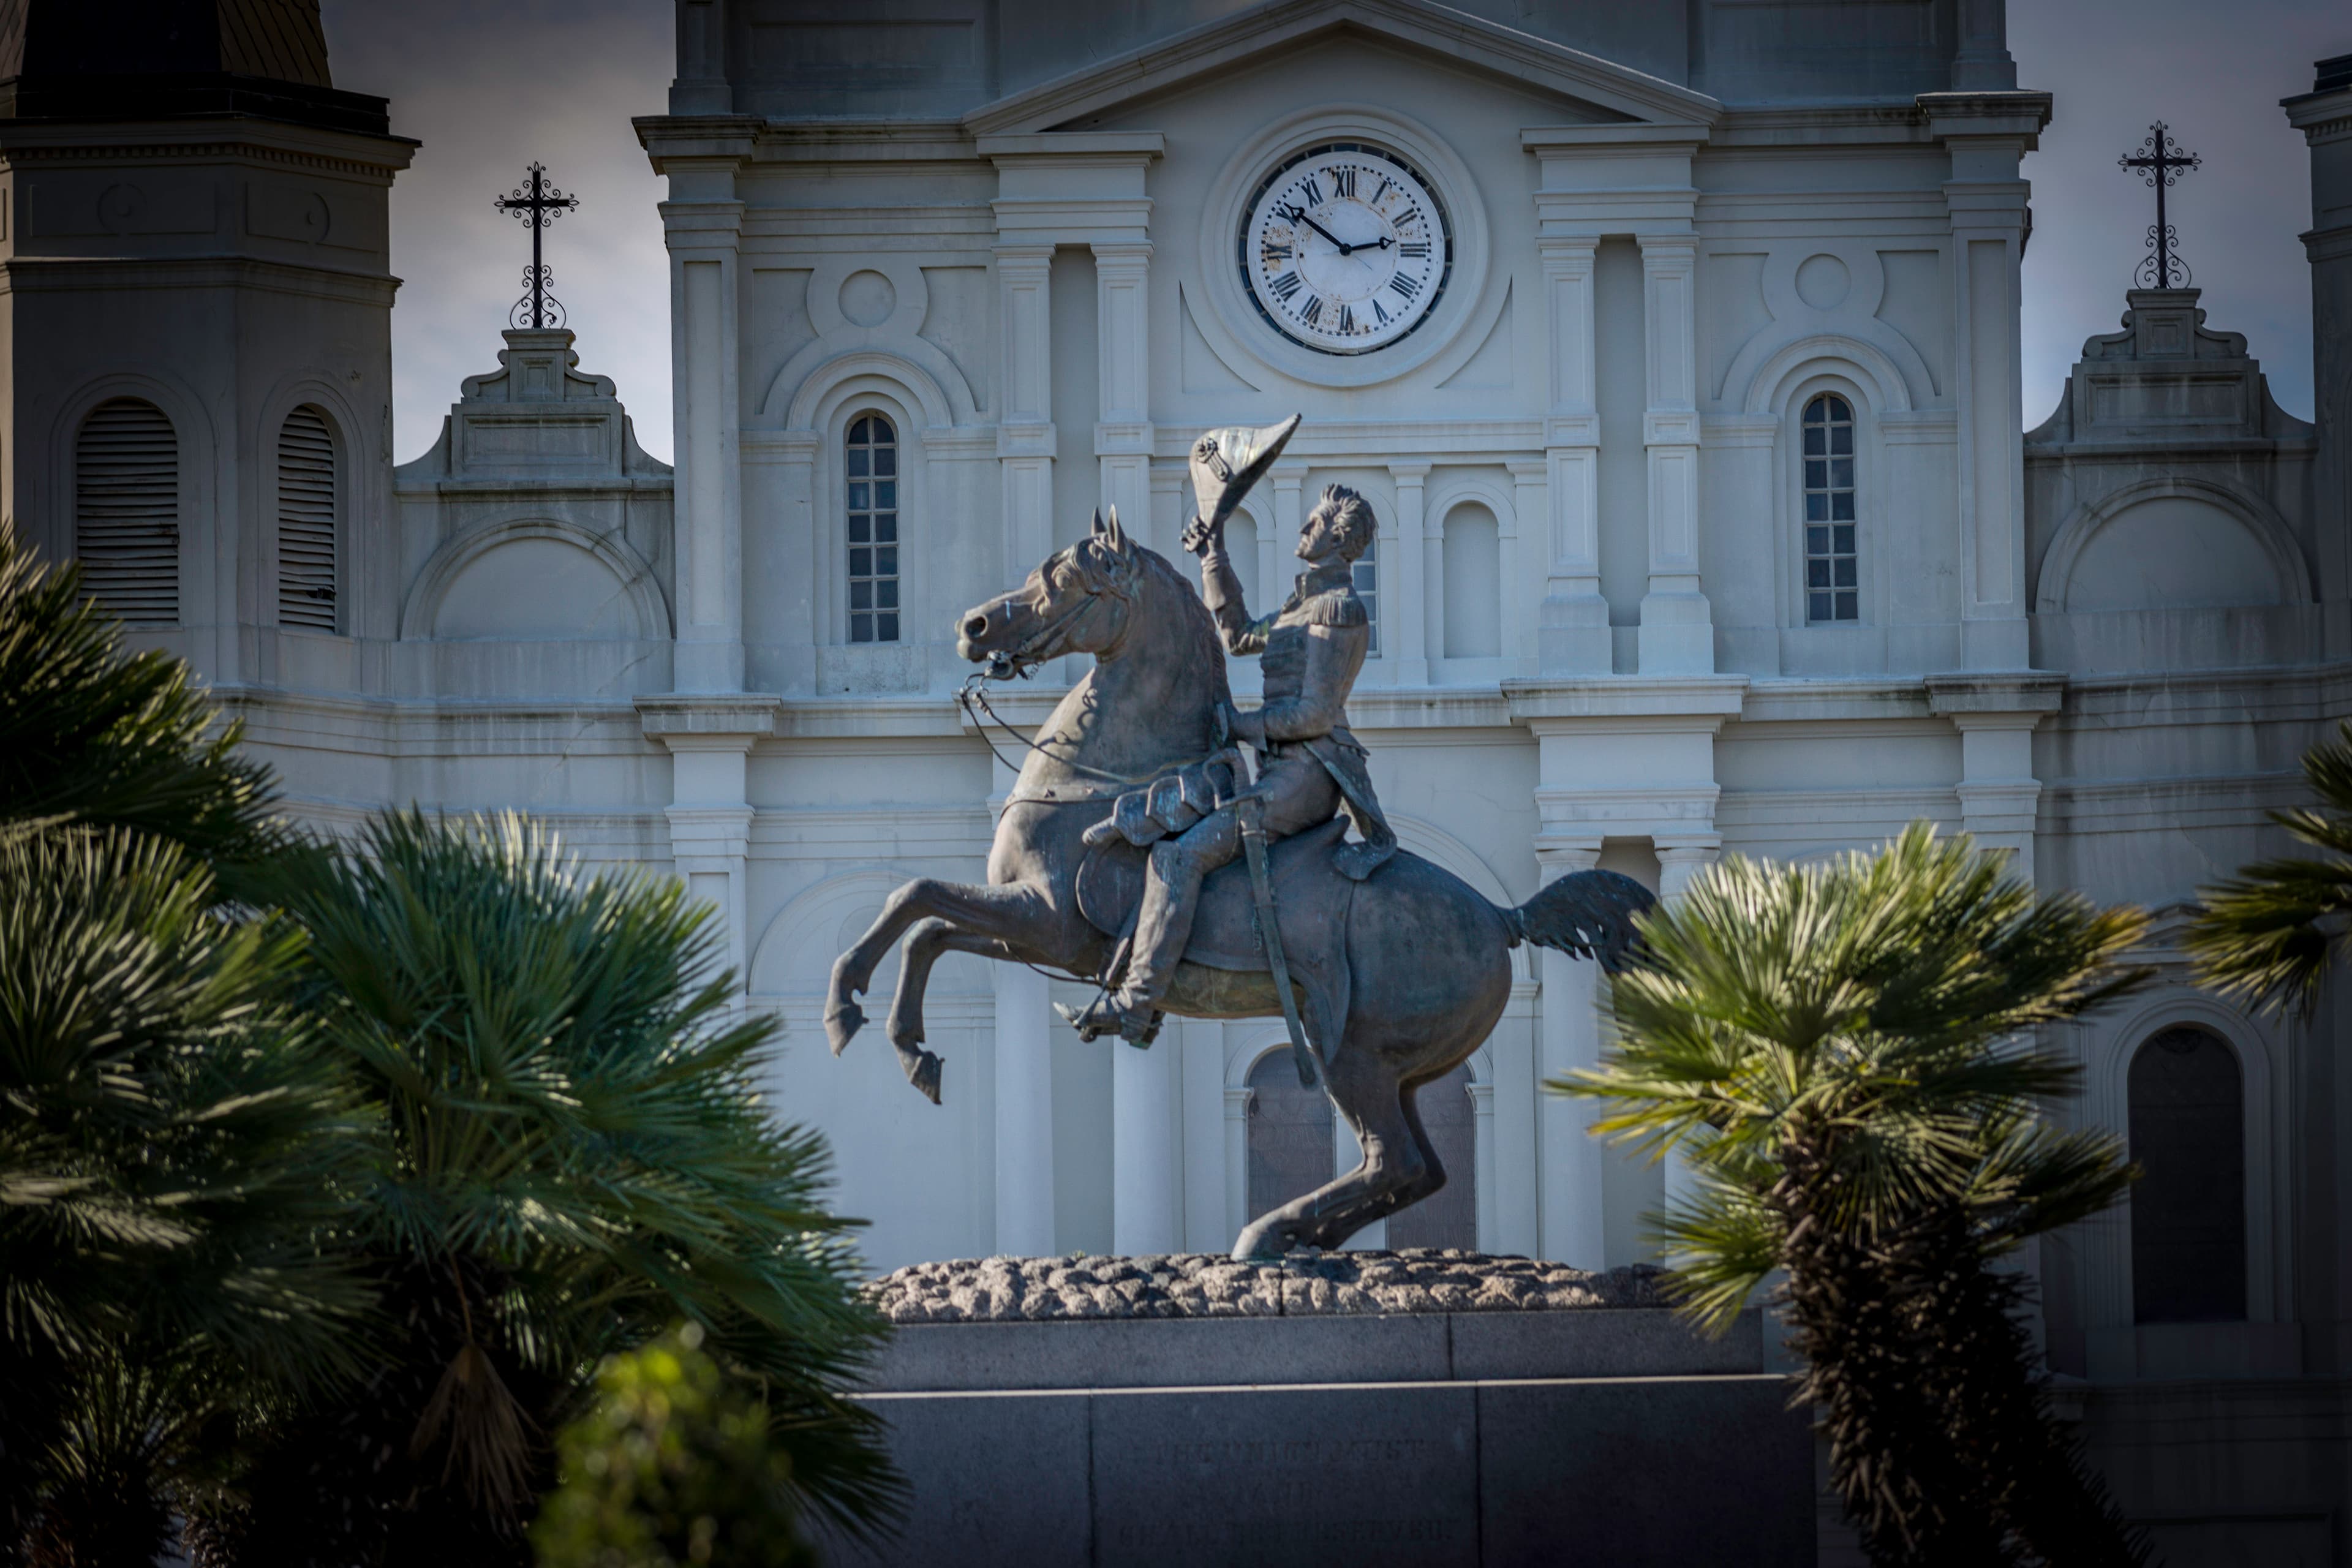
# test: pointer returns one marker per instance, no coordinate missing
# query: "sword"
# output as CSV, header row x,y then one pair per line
x,y
1252,811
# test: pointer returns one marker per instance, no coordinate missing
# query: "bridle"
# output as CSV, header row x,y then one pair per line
x,y
1005,664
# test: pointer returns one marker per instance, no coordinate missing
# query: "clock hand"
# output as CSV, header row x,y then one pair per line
x,y
1299,215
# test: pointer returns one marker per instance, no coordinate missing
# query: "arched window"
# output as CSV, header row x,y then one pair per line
x,y
305,521
1368,588
1290,1149
1450,1216
127,512
1833,568
873,473
2189,1208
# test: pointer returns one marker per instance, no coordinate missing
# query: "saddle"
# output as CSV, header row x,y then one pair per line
x,y
1311,900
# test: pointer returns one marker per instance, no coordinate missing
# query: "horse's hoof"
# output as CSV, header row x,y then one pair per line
x,y
1258,1244
925,1074
842,1023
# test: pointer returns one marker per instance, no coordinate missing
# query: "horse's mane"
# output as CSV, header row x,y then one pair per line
x,y
1199,625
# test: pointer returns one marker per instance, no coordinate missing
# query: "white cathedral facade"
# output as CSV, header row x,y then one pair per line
x,y
1710,521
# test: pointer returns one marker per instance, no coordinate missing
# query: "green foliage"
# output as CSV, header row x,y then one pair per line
x,y
91,735
673,1466
575,1156
2270,934
1843,1054
172,1143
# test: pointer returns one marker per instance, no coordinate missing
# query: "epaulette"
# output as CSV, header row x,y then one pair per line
x,y
1338,607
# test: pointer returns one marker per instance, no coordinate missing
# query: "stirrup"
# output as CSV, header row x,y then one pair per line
x,y
1105,1015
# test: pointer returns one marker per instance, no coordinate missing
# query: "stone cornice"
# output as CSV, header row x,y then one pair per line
x,y
38,143
39,274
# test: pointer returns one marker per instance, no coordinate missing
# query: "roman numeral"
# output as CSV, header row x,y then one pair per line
x,y
1412,215
1383,314
1313,310
1411,247
1285,285
1408,287
1382,192
1312,191
1273,253
1347,321
1346,180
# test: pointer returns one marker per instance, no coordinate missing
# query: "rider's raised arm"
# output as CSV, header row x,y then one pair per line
x,y
1221,589
1338,639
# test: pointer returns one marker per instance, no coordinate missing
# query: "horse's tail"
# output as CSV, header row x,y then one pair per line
x,y
1587,913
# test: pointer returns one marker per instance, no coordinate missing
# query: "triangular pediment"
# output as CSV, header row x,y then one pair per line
x,y
1200,54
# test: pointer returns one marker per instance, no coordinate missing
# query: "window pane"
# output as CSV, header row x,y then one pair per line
x,y
1817,541
861,563
885,461
858,456
857,497
859,432
1841,473
885,494
1817,474
1817,606
1845,578
1841,440
1844,539
1838,410
1817,507
886,528
1817,574
1841,504
861,594
886,628
2188,1210
1847,604
1813,447
861,628
886,560
886,594
859,526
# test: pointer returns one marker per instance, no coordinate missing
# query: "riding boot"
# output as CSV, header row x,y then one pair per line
x,y
1162,926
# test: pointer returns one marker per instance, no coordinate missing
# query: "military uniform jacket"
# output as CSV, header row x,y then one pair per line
x,y
1311,651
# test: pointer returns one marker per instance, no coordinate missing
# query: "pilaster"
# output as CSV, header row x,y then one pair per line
x,y
1123,336
709,739
1526,557
1987,134
1405,593
1676,636
1278,543
1573,627
704,232
2325,118
1570,1212
1996,716
1024,431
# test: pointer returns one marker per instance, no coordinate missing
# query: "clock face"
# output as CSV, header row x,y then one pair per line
x,y
1345,248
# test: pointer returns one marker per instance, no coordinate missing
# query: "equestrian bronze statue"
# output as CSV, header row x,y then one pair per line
x,y
1115,855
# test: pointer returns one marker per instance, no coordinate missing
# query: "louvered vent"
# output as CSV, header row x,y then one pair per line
x,y
306,522
127,512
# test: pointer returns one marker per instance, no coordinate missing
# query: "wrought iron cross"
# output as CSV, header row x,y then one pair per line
x,y
2161,162
537,203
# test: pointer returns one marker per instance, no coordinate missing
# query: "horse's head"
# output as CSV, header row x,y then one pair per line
x,y
1077,601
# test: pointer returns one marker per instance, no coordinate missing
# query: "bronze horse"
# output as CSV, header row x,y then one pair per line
x,y
1404,975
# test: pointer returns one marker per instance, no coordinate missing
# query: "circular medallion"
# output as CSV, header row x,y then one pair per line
x,y
1345,248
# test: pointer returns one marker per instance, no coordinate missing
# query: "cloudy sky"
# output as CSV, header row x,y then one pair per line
x,y
487,87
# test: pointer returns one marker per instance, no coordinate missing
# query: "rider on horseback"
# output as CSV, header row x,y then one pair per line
x,y
1309,766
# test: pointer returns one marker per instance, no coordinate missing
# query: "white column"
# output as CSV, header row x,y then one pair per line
x,y
1982,63
1024,1096
1433,582
1573,627
1519,539
1680,861
1676,637
1123,340
703,237
1403,592
1567,1037
709,739
1024,431
1481,1121
1278,544
1143,1168
1201,1115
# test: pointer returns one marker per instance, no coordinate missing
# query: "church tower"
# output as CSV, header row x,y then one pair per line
x,y
196,366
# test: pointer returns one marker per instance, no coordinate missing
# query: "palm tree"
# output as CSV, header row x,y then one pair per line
x,y
171,1140
575,1156
91,735
2270,934
1843,1054
170,1135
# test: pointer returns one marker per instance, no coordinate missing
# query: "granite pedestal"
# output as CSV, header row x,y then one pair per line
x,y
1605,1434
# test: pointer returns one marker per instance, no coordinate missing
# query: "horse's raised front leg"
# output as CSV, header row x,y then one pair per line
x,y
1013,912
929,938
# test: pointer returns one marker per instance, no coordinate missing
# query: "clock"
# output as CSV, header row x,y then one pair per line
x,y
1345,248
